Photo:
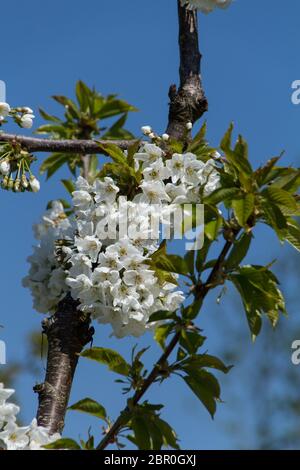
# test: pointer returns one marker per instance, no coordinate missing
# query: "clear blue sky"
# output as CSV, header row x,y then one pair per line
x,y
130,47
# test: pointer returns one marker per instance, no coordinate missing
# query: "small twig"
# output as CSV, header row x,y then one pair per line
x,y
81,147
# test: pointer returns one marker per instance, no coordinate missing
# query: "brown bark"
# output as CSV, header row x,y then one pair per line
x,y
83,147
68,331
188,103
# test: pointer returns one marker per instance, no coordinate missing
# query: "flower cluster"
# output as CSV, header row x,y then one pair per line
x,y
102,255
23,116
15,172
206,6
14,437
46,278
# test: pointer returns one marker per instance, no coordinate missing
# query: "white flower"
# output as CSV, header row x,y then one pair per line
x,y
5,393
156,171
14,437
4,109
176,167
146,130
206,6
154,192
34,184
39,436
189,126
165,137
101,254
26,121
105,190
82,199
192,169
143,278
4,167
90,246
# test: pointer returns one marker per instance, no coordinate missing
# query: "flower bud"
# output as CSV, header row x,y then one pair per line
x,y
34,184
10,183
189,126
165,137
17,185
146,130
4,109
27,110
4,167
26,121
24,182
151,135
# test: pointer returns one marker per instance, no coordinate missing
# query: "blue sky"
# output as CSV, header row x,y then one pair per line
x,y
249,62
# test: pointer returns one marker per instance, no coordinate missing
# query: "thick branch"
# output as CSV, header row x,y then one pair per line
x,y
68,331
188,103
83,147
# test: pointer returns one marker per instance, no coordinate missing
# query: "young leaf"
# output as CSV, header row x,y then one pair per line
x,y
112,359
89,406
64,444
239,251
243,208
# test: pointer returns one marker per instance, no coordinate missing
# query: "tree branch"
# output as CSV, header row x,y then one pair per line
x,y
68,331
83,147
188,103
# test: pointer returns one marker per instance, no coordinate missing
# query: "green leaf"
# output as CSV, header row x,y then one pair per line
x,y
142,439
69,185
212,228
260,295
189,259
109,357
53,163
221,195
198,361
202,255
161,334
206,387
237,157
114,152
292,234
261,174
243,208
64,443
48,117
280,197
239,251
161,315
191,341
89,406
274,218
113,107
83,94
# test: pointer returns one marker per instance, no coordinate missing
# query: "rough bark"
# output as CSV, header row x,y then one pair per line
x,y
188,103
83,147
68,331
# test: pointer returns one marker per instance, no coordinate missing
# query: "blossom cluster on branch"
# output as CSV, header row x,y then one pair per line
x,y
102,252
14,437
206,6
15,162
